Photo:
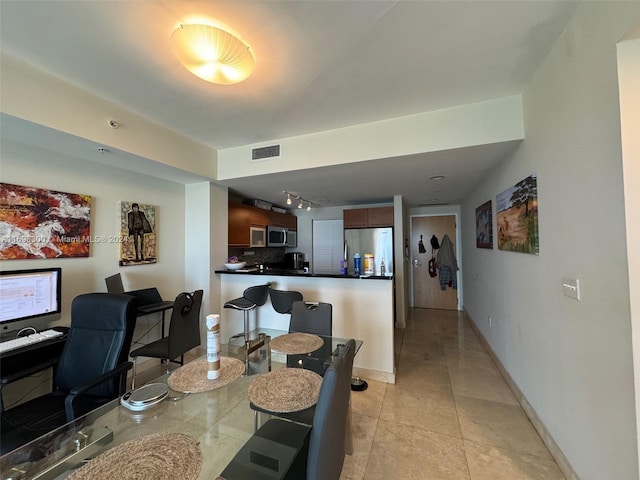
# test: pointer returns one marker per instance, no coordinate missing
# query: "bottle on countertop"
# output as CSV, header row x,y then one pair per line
x,y
382,268
369,264
344,263
357,264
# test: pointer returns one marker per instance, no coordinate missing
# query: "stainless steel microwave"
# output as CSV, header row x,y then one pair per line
x,y
276,236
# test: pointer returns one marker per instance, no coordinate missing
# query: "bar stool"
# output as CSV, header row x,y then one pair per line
x,y
251,298
282,300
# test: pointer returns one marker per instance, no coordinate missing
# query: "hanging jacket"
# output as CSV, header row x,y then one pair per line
x,y
446,255
447,265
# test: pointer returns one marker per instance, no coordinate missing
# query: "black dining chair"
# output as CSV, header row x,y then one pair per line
x,y
311,317
314,318
320,454
184,333
91,371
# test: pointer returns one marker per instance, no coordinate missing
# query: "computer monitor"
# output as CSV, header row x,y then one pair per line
x,y
30,297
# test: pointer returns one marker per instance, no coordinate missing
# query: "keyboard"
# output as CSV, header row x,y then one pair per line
x,y
20,342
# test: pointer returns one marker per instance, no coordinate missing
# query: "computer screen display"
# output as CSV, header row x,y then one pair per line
x,y
30,294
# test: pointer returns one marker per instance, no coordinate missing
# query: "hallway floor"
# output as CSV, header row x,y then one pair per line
x,y
450,416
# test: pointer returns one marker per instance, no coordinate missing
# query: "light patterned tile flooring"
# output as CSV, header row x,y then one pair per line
x,y
450,415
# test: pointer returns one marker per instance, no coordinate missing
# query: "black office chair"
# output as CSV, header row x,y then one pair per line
x,y
321,454
311,318
282,300
92,369
184,333
252,298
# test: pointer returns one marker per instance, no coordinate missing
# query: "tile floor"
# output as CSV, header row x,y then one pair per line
x,y
450,416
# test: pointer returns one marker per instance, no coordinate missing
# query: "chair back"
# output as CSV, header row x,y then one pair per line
x,y
184,329
311,318
114,284
258,294
327,438
282,300
99,340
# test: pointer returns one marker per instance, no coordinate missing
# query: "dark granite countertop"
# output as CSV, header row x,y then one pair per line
x,y
297,273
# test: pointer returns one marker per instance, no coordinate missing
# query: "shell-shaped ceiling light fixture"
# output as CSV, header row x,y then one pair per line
x,y
212,54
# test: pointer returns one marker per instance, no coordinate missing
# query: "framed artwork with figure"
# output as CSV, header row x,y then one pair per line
x,y
484,226
138,234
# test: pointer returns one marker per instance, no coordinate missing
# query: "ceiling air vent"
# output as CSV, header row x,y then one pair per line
x,y
261,153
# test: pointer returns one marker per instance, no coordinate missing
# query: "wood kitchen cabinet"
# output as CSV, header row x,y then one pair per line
x,y
239,225
380,217
355,218
283,220
242,218
368,217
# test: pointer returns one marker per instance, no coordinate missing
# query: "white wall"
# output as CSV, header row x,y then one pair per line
x,y
629,80
479,123
30,94
25,165
571,359
35,167
206,237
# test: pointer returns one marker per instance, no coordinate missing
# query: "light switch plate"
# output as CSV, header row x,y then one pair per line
x,y
571,287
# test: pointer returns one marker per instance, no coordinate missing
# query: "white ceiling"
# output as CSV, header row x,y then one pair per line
x,y
320,65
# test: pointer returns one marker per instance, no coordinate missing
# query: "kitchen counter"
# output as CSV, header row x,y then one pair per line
x,y
297,273
361,309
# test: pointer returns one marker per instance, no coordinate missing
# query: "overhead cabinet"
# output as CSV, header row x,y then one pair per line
x,y
368,217
248,224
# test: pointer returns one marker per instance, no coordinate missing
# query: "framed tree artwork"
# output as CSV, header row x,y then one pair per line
x,y
517,217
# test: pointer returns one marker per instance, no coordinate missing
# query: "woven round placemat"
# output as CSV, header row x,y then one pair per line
x,y
295,343
285,390
192,377
161,456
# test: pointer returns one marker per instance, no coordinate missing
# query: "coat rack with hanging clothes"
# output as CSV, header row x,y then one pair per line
x,y
447,264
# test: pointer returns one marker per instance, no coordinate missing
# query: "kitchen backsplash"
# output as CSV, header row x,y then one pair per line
x,y
260,255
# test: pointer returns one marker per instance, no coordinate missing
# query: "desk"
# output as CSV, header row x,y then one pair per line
x,y
31,359
220,420
149,309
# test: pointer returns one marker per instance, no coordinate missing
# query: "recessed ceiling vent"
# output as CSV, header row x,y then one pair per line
x,y
272,151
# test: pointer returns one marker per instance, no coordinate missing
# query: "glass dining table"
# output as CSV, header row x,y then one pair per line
x,y
220,420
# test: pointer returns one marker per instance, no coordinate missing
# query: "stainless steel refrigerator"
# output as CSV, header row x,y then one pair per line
x,y
376,241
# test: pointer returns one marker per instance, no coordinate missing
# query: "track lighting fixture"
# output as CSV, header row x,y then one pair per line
x,y
301,201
